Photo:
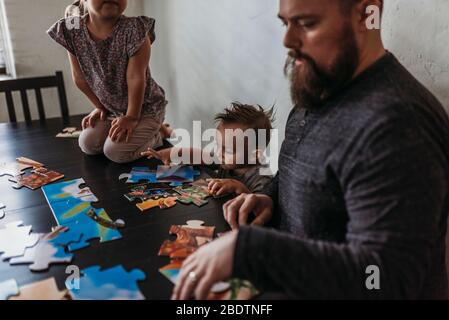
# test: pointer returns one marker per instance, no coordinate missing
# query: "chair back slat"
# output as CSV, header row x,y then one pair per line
x,y
36,84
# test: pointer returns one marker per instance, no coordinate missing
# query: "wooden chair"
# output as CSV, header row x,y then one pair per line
x,y
36,84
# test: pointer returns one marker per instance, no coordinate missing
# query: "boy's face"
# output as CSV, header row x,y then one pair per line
x,y
232,146
107,9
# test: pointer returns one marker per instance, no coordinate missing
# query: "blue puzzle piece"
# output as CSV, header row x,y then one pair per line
x,y
8,289
89,230
138,174
110,284
70,206
176,173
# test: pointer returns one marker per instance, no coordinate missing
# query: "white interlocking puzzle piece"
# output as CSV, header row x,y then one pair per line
x,y
195,224
2,210
46,252
8,289
15,238
14,169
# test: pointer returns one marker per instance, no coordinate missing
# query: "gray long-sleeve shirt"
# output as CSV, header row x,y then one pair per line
x,y
363,180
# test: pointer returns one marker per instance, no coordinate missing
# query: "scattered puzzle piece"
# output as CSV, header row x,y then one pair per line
x,y
193,194
110,284
39,177
8,289
188,238
71,206
15,238
71,132
164,203
46,252
16,168
139,174
143,193
2,210
42,290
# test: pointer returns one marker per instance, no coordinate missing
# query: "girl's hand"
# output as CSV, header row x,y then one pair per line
x,y
123,128
91,119
163,155
221,187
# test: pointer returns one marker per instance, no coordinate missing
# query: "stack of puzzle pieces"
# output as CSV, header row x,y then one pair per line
x,y
189,238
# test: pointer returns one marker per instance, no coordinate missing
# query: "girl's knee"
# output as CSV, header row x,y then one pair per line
x,y
116,152
90,143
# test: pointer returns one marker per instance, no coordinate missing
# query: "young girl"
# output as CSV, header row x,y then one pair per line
x,y
109,54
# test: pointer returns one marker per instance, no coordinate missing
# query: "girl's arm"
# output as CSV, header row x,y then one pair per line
x,y
80,82
136,76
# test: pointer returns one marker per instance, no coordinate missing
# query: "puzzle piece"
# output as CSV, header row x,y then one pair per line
x,y
71,206
42,290
193,194
176,174
16,168
15,238
38,178
143,193
139,174
8,289
71,132
164,203
111,284
2,210
188,238
46,252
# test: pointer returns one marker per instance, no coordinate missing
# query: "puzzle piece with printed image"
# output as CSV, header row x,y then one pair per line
x,y
188,238
110,284
193,194
49,250
176,174
37,178
139,174
70,202
41,290
164,203
18,167
145,192
15,238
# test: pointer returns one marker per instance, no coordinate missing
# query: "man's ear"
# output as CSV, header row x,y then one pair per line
x,y
368,13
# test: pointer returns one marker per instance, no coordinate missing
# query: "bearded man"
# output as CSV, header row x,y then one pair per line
x,y
361,199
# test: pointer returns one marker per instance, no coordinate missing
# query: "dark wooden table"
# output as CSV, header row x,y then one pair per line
x,y
144,233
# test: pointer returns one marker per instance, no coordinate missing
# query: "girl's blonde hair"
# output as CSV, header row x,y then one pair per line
x,y
76,9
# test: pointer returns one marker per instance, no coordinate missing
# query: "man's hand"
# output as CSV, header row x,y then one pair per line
x,y
220,187
163,155
210,264
91,119
237,211
123,128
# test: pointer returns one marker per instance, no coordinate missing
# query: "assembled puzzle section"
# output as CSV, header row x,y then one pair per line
x,y
111,284
39,177
70,203
173,175
193,194
69,133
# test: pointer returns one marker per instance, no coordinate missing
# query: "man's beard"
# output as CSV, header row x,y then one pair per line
x,y
310,86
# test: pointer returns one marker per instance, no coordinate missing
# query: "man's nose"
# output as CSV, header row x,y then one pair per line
x,y
292,38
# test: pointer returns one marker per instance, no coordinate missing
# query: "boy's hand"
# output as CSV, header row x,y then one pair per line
x,y
220,187
91,119
123,128
163,155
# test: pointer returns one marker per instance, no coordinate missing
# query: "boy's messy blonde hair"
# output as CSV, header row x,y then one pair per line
x,y
76,9
253,117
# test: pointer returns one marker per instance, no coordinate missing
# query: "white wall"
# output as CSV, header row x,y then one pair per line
x,y
212,52
37,55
